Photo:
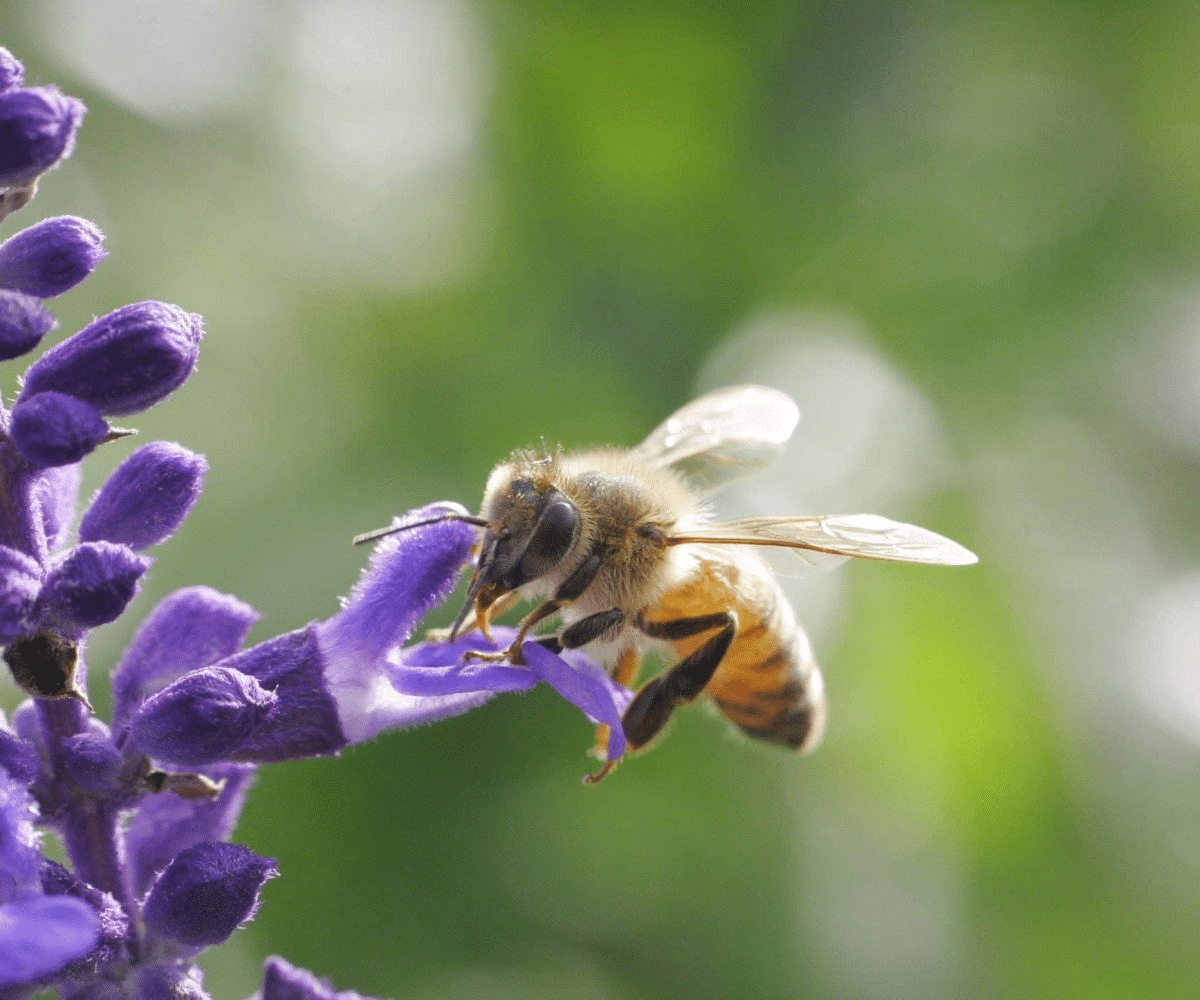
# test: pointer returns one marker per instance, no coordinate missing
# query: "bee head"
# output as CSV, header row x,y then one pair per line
x,y
531,527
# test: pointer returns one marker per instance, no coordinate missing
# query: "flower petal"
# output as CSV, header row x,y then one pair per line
x,y
40,935
585,686
408,573
147,496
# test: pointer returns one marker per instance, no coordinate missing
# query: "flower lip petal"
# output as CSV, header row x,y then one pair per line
x,y
54,428
123,362
37,130
50,256
409,572
437,669
40,935
585,686
146,498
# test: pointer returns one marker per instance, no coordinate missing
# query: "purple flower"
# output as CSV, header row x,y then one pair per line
x,y
146,498
122,363
205,894
37,131
24,321
284,981
144,806
50,257
39,934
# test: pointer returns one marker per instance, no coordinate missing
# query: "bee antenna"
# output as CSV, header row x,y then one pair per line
x,y
392,529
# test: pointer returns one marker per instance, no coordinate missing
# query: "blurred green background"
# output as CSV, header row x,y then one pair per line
x,y
964,236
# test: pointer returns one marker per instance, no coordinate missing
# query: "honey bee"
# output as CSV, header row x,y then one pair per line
x,y
622,547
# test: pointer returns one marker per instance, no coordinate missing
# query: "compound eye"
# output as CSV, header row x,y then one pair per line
x,y
551,540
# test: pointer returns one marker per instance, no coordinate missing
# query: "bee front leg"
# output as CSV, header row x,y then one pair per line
x,y
650,710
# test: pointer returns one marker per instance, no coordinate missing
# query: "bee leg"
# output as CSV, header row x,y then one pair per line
x,y
650,710
470,623
568,591
622,673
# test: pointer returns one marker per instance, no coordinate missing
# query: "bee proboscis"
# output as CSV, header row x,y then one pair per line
x,y
620,545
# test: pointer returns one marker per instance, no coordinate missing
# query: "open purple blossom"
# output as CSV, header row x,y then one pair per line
x,y
144,804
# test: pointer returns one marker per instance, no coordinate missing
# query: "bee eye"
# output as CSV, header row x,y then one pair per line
x,y
551,540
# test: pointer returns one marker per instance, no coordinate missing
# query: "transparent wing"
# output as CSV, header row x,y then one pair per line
x,y
866,536
723,435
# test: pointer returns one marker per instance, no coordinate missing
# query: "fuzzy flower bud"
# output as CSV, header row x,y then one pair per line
x,y
124,362
50,256
146,498
202,718
24,321
37,130
12,73
206,893
53,429
91,586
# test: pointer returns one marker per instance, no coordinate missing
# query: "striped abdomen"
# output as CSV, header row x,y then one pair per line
x,y
768,683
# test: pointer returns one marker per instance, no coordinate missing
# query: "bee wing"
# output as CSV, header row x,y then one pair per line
x,y
866,536
722,435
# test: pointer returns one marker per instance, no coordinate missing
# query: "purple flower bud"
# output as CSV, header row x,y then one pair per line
x,y
40,935
18,757
19,858
53,429
37,129
50,256
113,921
191,628
200,719
91,761
162,981
304,722
166,824
206,893
284,981
20,578
146,498
54,494
24,321
91,586
124,362
12,73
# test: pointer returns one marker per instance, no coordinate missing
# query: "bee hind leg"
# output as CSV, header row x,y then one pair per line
x,y
650,710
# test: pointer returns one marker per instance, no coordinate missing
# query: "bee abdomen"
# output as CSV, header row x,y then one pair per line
x,y
770,686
